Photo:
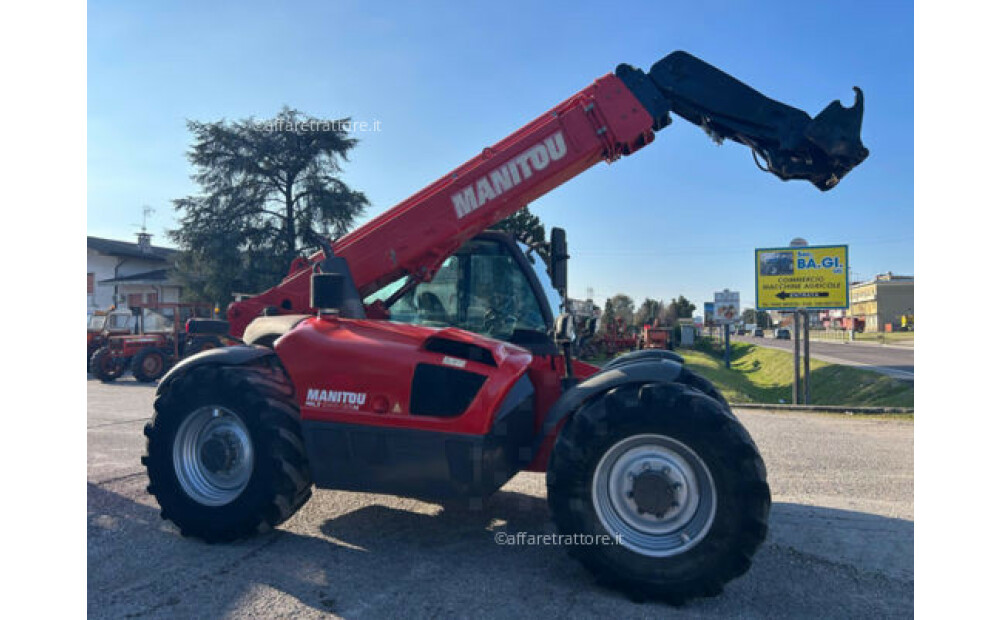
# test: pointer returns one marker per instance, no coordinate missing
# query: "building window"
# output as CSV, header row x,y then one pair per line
x,y
151,298
90,283
134,300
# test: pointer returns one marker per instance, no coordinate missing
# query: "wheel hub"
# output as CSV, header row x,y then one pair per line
x,y
655,493
213,456
220,452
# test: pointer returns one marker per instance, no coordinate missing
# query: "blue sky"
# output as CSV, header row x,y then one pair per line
x,y
682,216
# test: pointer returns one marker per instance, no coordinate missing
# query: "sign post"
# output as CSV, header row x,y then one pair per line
x,y
801,278
727,312
795,336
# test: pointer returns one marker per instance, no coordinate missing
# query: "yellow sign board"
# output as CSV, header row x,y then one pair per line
x,y
807,277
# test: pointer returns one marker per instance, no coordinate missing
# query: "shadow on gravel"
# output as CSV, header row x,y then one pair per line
x,y
386,561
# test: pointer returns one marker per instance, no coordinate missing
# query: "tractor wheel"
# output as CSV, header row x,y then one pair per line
x,y
703,385
149,365
668,486
201,343
104,366
224,453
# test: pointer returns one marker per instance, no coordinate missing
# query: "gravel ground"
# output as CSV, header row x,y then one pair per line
x,y
840,545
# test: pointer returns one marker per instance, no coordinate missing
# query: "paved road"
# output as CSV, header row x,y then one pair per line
x,y
841,540
890,360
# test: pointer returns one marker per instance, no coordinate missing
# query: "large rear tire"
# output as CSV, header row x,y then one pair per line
x,y
149,365
224,452
671,479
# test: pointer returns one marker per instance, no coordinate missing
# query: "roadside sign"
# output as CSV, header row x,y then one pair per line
x,y
812,277
709,313
727,307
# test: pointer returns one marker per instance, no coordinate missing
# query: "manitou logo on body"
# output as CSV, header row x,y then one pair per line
x,y
492,186
322,398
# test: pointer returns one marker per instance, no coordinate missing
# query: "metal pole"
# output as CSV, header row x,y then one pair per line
x,y
805,353
727,345
795,336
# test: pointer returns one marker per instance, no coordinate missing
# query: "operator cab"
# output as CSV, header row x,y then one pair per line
x,y
491,286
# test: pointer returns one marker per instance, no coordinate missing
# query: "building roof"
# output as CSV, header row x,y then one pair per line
x,y
146,277
129,249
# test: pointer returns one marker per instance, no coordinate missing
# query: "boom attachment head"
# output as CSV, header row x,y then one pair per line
x,y
792,145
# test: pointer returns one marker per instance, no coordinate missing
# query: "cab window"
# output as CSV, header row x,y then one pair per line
x,y
481,288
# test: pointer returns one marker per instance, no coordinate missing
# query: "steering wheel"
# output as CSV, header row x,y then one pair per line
x,y
431,308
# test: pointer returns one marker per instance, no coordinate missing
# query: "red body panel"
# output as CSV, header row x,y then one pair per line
x,y
368,366
375,362
601,122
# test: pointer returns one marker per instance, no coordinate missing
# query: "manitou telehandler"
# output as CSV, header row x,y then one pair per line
x,y
420,356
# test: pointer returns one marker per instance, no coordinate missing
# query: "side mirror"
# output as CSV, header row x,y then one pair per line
x,y
565,332
558,259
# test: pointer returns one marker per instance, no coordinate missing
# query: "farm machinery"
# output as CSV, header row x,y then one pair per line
x,y
164,334
102,325
656,336
616,337
421,355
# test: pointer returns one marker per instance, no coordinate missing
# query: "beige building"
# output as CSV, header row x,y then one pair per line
x,y
881,301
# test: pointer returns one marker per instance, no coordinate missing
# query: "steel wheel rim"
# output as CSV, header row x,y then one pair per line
x,y
654,493
152,364
213,456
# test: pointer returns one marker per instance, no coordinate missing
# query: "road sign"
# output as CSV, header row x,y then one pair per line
x,y
811,277
727,307
709,313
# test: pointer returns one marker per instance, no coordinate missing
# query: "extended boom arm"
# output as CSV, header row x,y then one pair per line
x,y
616,115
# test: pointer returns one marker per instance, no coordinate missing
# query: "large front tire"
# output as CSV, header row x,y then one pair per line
x,y
224,452
104,366
668,486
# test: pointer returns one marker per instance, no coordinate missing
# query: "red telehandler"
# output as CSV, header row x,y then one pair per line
x,y
421,356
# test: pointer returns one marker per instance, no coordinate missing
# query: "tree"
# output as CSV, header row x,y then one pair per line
x,y
621,307
526,228
749,316
679,308
763,319
648,312
269,190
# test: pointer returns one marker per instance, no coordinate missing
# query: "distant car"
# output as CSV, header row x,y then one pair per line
x,y
758,333
783,334
741,332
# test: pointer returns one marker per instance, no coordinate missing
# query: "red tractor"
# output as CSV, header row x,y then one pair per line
x,y
102,325
421,357
616,338
656,336
166,332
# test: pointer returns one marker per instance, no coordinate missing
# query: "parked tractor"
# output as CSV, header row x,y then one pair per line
x,y
102,325
421,356
165,333
656,336
616,337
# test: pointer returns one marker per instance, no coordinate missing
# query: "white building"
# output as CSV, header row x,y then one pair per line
x,y
125,274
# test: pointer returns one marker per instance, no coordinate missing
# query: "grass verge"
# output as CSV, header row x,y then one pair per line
x,y
762,375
